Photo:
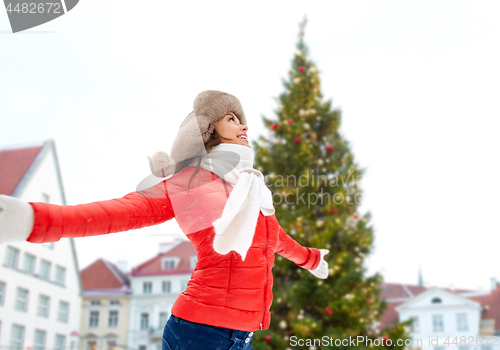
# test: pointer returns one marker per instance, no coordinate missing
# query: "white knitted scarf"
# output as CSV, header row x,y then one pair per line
x,y
235,229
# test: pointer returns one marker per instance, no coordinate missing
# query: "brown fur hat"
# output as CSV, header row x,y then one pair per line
x,y
208,107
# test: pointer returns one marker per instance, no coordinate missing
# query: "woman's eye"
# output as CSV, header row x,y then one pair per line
x,y
231,118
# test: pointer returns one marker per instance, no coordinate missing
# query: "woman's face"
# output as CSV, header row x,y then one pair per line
x,y
229,127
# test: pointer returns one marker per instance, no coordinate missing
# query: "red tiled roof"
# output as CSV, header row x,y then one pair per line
x,y
492,304
390,315
14,164
184,250
398,290
103,274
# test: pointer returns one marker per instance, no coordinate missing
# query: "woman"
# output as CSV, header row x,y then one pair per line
x,y
222,205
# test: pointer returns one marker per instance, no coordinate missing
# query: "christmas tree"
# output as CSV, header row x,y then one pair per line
x,y
316,191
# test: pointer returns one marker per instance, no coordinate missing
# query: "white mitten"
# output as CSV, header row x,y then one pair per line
x,y
16,219
322,270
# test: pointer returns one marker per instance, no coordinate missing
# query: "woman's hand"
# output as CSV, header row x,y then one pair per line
x,y
16,219
322,270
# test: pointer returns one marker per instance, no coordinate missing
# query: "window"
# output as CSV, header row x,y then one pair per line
x,y
49,245
11,257
110,344
39,342
142,347
91,345
62,316
415,327
95,302
43,306
166,287
29,263
169,263
163,319
184,284
45,198
45,269
147,287
436,300
2,293
462,322
60,275
486,347
144,321
464,348
437,323
114,302
60,341
17,337
194,260
113,318
93,319
22,299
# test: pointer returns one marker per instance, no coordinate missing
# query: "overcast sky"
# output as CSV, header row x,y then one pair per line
x,y
418,84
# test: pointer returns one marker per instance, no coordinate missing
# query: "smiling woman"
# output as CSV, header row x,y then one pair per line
x,y
228,215
230,127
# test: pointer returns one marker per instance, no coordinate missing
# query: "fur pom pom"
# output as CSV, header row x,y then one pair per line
x,y
161,164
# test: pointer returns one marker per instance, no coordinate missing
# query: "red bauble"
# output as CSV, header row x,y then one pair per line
x,y
328,310
290,121
334,211
302,69
369,301
384,339
329,148
297,140
274,126
267,339
355,216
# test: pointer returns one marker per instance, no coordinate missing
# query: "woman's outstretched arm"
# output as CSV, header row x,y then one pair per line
x,y
52,222
307,258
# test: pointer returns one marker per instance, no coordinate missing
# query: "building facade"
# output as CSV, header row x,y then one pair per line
x,y
155,286
40,287
445,318
105,307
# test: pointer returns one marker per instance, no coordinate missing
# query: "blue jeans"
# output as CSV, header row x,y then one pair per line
x,y
180,334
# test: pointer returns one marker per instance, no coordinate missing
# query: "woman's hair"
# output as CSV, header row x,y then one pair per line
x,y
214,140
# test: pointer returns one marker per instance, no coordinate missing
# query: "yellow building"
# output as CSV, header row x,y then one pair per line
x,y
105,307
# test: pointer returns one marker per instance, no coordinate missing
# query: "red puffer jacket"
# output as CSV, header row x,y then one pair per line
x,y
224,290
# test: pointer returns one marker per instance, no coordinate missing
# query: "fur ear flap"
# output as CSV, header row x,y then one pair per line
x,y
161,164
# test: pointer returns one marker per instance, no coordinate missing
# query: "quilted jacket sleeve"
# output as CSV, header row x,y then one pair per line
x,y
307,258
149,207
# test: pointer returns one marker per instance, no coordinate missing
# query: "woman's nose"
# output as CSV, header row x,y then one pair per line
x,y
245,128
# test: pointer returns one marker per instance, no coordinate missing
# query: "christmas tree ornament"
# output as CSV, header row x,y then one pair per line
x,y
334,211
289,121
274,126
302,69
328,310
319,223
297,140
355,216
267,339
307,126
283,324
329,148
296,81
320,162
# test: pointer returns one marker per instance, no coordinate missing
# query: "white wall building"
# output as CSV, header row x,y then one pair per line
x,y
40,284
155,285
445,318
